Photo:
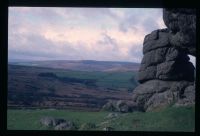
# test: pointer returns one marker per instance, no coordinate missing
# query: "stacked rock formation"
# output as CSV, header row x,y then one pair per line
x,y
166,75
182,24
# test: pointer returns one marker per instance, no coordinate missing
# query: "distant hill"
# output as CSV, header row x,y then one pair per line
x,y
82,65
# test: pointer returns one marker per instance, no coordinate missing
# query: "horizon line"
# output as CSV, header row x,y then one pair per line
x,y
28,60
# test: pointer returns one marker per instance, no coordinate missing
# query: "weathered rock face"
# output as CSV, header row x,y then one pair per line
x,y
182,24
166,75
155,94
164,61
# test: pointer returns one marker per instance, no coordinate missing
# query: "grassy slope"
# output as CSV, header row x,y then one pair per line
x,y
170,119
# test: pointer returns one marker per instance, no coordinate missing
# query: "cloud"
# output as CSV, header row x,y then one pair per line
x,y
150,24
32,45
80,33
145,20
136,53
129,22
108,41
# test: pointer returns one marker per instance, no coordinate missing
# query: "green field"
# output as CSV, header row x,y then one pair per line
x,y
112,80
169,119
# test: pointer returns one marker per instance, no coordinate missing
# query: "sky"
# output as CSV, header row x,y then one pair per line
x,y
108,34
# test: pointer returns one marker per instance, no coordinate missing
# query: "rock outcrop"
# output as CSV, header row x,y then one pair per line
x,y
182,24
166,75
162,60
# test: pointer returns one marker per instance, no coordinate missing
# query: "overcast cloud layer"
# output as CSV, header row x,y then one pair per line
x,y
109,34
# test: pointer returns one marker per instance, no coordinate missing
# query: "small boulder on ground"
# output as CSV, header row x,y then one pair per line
x,y
68,125
87,126
50,121
120,106
108,129
112,115
57,124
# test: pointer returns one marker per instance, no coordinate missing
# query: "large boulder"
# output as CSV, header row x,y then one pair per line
x,y
147,73
157,93
162,60
166,64
175,70
154,57
157,39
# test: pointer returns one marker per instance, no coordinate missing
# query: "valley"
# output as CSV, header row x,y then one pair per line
x,y
58,88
